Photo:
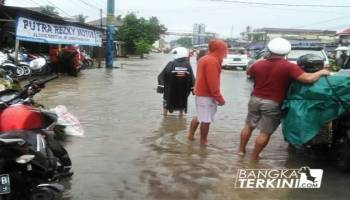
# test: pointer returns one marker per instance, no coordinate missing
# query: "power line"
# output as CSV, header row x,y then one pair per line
x,y
58,8
339,26
90,5
324,21
34,2
284,4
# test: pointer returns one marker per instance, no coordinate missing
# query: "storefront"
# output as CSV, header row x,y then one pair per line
x,y
20,27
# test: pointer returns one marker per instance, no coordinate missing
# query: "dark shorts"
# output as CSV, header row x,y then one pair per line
x,y
263,114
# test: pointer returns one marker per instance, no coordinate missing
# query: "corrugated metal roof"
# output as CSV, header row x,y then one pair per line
x,y
345,32
291,30
11,12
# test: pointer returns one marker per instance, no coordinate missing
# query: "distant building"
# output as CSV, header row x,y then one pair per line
x,y
103,22
344,37
298,37
236,42
266,34
198,36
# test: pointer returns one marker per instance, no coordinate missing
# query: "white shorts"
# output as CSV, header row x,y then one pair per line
x,y
206,108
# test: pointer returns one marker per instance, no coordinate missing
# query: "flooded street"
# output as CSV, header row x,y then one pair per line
x,y
131,151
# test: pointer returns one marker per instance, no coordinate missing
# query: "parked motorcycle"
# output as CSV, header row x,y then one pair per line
x,y
69,60
9,66
31,160
35,63
86,61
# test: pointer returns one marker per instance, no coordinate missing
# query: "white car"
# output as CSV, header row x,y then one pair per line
x,y
300,51
236,58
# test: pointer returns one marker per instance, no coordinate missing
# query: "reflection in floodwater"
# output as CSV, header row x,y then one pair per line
x,y
132,152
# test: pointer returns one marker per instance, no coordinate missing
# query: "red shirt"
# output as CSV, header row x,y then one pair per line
x,y
272,78
209,70
208,78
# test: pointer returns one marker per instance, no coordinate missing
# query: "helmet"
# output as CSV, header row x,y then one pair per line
x,y
180,52
279,46
310,63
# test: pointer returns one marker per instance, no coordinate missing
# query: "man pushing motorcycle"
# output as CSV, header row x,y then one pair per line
x,y
272,77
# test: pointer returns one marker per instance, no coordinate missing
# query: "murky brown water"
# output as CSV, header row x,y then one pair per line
x,y
132,152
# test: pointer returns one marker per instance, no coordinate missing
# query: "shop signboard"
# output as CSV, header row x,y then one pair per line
x,y
32,30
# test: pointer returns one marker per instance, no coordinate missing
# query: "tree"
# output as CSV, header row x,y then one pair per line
x,y
142,47
49,10
81,18
2,2
134,30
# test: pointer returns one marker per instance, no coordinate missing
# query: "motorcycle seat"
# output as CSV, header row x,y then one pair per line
x,y
23,135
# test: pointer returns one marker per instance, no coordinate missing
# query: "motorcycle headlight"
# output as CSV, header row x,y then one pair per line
x,y
24,159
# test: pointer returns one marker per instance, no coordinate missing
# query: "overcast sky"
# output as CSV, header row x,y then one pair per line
x,y
220,17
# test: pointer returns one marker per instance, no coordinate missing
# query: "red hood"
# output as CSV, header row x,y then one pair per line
x,y
218,49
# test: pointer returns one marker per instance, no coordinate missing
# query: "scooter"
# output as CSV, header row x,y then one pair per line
x,y
31,160
26,165
37,64
7,65
86,60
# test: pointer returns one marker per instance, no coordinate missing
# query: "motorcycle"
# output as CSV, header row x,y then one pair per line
x,y
35,63
70,60
31,160
7,65
86,60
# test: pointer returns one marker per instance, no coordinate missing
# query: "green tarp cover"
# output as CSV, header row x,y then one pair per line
x,y
309,106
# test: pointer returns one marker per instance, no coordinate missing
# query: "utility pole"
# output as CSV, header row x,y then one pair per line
x,y
110,31
231,33
100,48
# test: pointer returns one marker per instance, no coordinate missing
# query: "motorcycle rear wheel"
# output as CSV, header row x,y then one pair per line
x,y
43,194
20,71
27,70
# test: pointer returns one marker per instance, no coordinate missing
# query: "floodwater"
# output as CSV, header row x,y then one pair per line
x,y
131,151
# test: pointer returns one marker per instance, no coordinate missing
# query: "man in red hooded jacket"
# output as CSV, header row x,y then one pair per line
x,y
207,89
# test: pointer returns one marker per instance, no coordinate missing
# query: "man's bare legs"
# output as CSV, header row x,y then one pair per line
x,y
181,113
260,143
193,128
165,111
204,128
245,136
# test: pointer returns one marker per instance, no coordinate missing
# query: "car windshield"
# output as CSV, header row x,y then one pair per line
x,y
296,53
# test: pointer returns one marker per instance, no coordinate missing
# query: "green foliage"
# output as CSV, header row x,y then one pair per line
x,y
81,18
49,10
142,47
333,66
183,42
134,30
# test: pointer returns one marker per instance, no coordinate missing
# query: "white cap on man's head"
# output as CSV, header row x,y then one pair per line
x,y
279,46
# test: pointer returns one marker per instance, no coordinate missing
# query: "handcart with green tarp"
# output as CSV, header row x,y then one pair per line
x,y
318,114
